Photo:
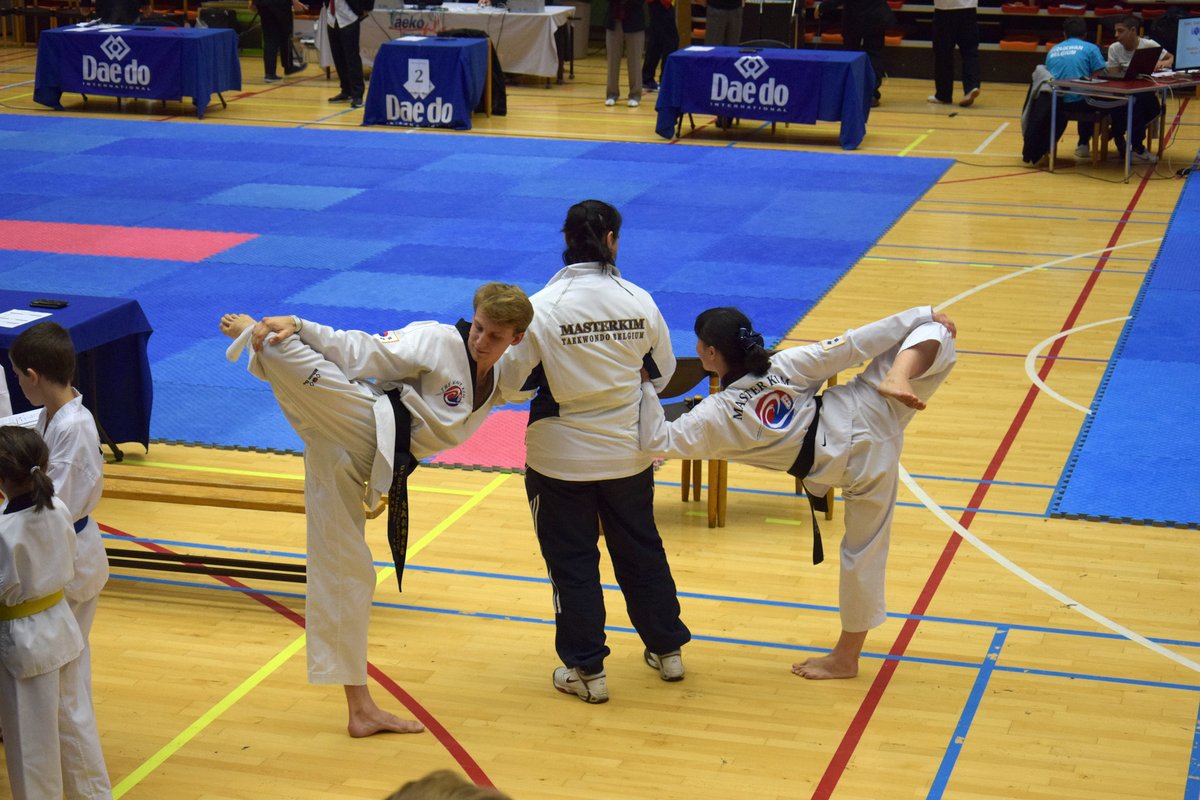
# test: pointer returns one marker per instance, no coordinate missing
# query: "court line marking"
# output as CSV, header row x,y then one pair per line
x,y
1036,582
1032,356
990,139
773,645
916,142
290,476
1046,265
213,713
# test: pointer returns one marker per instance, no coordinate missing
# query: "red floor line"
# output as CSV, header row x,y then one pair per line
x,y
854,731
447,740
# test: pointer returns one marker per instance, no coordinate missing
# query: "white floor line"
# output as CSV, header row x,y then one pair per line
x,y
1045,265
990,139
1036,582
1031,361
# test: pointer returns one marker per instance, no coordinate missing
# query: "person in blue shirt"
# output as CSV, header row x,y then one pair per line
x,y
1075,58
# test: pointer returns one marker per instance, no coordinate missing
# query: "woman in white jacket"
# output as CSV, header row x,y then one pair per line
x,y
768,414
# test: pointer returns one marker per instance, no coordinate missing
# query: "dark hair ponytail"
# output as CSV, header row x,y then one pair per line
x,y
730,332
23,460
585,230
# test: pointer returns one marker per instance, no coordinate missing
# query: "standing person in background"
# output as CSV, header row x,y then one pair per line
x,y
592,332
723,23
662,40
864,23
276,19
955,25
43,357
624,22
342,25
51,745
1145,104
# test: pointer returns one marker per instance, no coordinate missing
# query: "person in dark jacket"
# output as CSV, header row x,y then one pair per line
x,y
343,18
624,21
276,19
723,23
662,39
863,25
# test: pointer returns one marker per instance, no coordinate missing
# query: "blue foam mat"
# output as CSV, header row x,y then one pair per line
x,y
1134,459
373,229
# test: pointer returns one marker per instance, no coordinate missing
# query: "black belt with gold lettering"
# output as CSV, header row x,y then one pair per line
x,y
403,464
800,469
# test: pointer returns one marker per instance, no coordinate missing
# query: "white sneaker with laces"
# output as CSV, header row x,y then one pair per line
x,y
634,102
587,687
669,665
610,101
1144,157
1083,151
933,98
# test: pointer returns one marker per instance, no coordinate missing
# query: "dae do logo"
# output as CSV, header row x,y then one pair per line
x,y
115,73
749,91
406,112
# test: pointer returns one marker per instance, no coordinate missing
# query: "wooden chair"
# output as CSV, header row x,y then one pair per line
x,y
1100,119
688,375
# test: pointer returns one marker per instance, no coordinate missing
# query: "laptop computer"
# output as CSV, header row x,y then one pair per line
x,y
1142,63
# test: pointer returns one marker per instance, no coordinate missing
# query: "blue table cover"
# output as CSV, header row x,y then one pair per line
x,y
136,61
110,335
769,84
427,82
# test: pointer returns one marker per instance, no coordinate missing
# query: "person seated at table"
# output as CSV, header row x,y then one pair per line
x,y
1068,60
1145,104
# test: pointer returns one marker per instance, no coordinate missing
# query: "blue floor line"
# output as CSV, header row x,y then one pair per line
x,y
1191,789
695,637
995,265
954,748
1006,252
752,601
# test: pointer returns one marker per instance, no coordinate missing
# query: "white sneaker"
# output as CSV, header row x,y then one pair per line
x,y
610,101
588,688
1083,151
669,665
933,99
1144,157
634,102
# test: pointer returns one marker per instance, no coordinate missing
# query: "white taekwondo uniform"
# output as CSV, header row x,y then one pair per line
x,y
592,331
77,470
331,385
51,744
761,420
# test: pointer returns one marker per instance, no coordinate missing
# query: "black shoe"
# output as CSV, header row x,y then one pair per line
x,y
649,85
874,102
293,70
356,102
272,78
340,97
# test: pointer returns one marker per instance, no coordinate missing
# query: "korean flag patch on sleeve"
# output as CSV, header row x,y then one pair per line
x,y
387,337
836,341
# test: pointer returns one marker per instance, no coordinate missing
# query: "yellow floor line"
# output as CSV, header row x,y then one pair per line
x,y
210,716
915,143
250,473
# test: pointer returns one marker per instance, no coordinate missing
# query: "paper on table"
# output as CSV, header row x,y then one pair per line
x,y
17,317
26,419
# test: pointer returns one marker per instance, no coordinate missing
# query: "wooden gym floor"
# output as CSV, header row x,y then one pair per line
x,y
989,681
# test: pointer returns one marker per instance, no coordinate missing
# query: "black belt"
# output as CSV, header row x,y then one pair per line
x,y
403,464
800,469
80,524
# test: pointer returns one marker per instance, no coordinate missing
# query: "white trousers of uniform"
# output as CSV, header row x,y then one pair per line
x,y
873,472
51,744
335,417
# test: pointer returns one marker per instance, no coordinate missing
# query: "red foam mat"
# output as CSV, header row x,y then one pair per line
x,y
116,240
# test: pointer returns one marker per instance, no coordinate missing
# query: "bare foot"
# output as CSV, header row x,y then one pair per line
x,y
232,325
898,388
825,668
380,721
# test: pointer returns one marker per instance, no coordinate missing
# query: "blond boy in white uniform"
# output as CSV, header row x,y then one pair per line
x,y
331,386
